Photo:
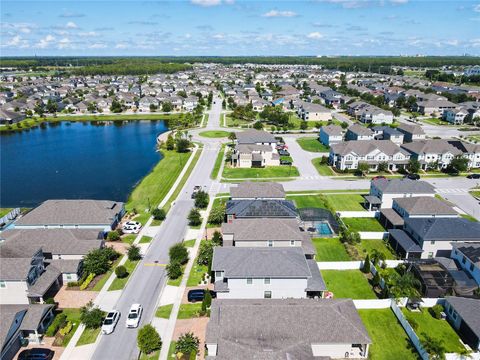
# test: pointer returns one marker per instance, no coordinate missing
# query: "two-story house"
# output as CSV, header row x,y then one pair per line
x,y
331,134
468,256
314,112
255,148
359,133
411,132
432,153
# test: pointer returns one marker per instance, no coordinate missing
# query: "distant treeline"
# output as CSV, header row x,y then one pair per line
x,y
133,65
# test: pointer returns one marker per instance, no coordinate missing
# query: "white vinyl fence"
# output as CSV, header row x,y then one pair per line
x,y
10,216
373,235
357,214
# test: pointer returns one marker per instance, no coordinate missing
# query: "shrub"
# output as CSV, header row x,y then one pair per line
x,y
50,301
205,253
133,253
148,339
87,281
217,238
413,323
376,279
121,272
91,316
201,199
66,329
159,214
207,299
56,324
194,217
366,265
113,236
174,270
187,343
217,214
436,311
98,261
178,253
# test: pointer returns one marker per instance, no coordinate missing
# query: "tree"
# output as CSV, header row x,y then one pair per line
x,y
217,214
182,93
383,166
91,316
258,125
344,125
377,256
159,214
174,270
376,279
201,199
116,106
217,238
167,106
178,253
232,136
413,166
183,145
187,343
303,125
98,261
170,144
405,285
207,300
121,272
194,217
148,339
434,347
52,106
457,164
133,253
113,236
205,253
366,265
363,168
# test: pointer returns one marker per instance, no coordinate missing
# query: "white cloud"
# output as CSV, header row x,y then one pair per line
x,y
453,42
71,25
277,13
476,8
206,3
97,46
64,43
45,42
399,1
88,34
16,42
121,46
315,35
219,36
15,28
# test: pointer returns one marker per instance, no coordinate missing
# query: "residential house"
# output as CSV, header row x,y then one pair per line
x,y
255,148
73,214
249,190
331,98
455,116
412,132
468,256
374,115
22,322
388,133
314,112
265,273
10,117
385,190
259,208
464,316
286,329
434,107
359,132
331,134
432,153
349,154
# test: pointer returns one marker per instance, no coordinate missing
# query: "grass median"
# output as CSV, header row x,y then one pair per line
x,y
218,163
214,134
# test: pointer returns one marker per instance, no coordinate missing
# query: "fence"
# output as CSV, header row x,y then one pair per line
x,y
10,216
372,235
357,214
354,265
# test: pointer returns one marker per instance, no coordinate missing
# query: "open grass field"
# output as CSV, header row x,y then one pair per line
x,y
234,122
437,329
330,249
390,342
214,134
362,224
153,187
218,163
309,201
312,144
119,284
348,284
266,172
164,311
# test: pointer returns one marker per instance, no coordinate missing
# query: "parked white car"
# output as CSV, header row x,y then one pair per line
x,y
110,322
131,227
134,315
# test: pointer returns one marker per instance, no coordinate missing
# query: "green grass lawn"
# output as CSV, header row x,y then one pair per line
x,y
296,121
214,134
129,239
323,169
4,211
346,202
312,144
363,224
330,249
348,284
73,315
469,217
218,163
88,336
151,356
367,246
309,201
171,350
189,243
234,122
98,286
143,217
435,121
119,284
188,311
153,187
437,329
164,311
267,172
196,274
177,282
390,342
145,239
475,193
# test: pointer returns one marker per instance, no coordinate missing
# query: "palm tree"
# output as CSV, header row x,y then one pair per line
x,y
434,347
405,285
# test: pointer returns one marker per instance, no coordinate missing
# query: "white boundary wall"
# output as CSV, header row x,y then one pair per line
x,y
372,235
353,265
357,214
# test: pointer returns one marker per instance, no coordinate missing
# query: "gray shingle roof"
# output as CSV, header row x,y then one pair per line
x,y
242,262
403,186
74,212
253,136
261,208
7,317
360,130
425,205
15,268
411,129
435,146
44,282
470,250
468,309
264,229
257,190
363,148
332,130
445,229
282,328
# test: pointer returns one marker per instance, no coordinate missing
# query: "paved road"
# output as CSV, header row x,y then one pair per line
x,y
302,159
149,279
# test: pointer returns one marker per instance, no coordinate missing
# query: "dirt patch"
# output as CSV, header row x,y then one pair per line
x,y
211,231
118,246
73,298
198,326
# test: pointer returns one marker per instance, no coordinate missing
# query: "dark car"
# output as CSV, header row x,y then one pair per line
x,y
283,153
412,176
473,176
198,295
196,189
36,354
285,162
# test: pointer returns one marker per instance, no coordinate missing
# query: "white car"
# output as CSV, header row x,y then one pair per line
x,y
131,227
134,315
133,223
110,322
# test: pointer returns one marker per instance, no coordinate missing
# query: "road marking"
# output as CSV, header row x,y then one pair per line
x,y
154,264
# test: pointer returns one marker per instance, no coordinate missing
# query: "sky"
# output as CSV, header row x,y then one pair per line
x,y
236,27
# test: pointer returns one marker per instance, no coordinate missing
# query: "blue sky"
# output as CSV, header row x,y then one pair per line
x,y
236,27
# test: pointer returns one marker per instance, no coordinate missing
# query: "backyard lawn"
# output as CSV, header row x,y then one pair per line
x,y
437,329
266,172
346,202
214,134
188,311
367,246
323,169
309,201
164,311
363,224
312,144
4,211
348,284
330,249
119,284
390,342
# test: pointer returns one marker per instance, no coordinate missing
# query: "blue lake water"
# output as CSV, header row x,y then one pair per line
x,y
76,160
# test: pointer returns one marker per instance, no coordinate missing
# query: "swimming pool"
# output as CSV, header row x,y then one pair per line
x,y
324,229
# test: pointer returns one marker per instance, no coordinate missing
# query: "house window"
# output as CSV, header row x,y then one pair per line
x,y
218,274
471,267
292,242
432,242
266,281
69,277
249,281
267,294
3,284
464,260
270,243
